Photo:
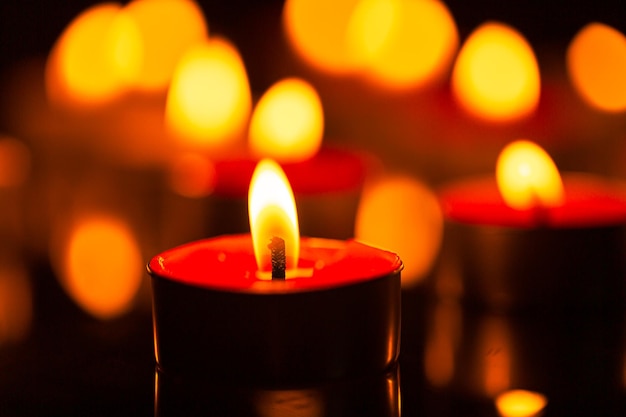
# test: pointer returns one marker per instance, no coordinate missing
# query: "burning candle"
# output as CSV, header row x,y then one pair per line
x,y
532,238
220,315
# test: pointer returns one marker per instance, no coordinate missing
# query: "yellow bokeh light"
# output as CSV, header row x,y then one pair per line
x,y
101,266
496,76
209,100
272,212
317,30
400,214
288,122
96,58
15,162
168,28
403,43
520,403
596,63
527,177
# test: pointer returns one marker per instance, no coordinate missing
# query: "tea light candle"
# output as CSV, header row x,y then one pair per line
x,y
219,315
538,247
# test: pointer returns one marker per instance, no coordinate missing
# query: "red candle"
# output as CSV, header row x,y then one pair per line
x,y
219,315
570,252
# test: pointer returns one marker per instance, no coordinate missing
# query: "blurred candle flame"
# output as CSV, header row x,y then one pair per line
x,y
402,43
209,100
496,75
400,214
101,266
168,28
96,58
527,177
272,212
520,403
288,122
596,63
317,30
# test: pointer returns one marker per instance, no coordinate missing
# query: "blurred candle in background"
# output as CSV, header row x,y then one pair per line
x,y
496,76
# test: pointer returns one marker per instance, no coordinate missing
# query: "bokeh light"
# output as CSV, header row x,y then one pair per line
x,y
209,99
403,43
400,214
496,75
96,58
527,177
317,30
520,403
101,266
288,122
596,64
168,28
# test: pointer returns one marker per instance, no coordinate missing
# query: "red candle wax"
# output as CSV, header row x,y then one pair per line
x,y
570,256
589,201
214,318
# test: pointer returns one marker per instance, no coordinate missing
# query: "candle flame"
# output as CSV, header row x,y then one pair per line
x,y
402,43
496,75
317,30
209,99
272,212
168,28
288,122
98,56
520,403
596,63
527,176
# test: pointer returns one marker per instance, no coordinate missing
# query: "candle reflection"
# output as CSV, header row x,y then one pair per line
x,y
375,396
16,302
442,343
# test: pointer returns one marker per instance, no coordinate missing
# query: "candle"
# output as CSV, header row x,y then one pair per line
x,y
537,248
220,313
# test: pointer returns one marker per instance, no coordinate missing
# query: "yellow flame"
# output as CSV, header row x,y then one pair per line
x,y
97,57
520,403
527,177
102,266
288,122
208,103
168,28
401,214
596,63
496,76
317,30
272,212
402,43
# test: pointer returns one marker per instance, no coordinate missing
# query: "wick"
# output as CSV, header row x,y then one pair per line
x,y
279,259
